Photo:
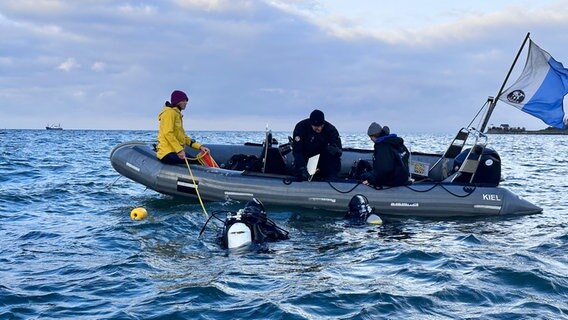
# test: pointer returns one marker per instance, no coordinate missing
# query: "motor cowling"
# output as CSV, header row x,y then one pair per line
x,y
489,170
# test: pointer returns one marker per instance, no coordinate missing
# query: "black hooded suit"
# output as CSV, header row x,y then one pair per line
x,y
308,143
390,162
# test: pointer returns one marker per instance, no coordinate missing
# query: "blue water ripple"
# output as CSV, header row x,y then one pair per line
x,y
68,248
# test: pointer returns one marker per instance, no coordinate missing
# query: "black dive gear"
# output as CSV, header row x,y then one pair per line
x,y
250,225
361,212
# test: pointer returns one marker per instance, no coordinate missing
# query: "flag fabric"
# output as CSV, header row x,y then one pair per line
x,y
541,88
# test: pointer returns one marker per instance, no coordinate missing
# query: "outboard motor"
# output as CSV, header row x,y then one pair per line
x,y
250,225
489,169
361,212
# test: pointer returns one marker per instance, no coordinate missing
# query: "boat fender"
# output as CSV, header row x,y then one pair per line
x,y
138,214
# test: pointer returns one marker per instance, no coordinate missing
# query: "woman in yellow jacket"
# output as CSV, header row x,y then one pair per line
x,y
171,135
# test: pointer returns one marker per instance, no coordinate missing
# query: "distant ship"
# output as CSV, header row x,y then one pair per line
x,y
506,129
53,127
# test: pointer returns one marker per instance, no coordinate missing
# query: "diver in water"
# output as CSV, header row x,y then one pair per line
x,y
250,225
360,212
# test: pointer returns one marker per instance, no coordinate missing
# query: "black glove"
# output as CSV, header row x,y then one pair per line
x,y
334,150
366,176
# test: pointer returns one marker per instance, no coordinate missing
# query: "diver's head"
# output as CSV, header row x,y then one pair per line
x,y
359,206
255,208
361,212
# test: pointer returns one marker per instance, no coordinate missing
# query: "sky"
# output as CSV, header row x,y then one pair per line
x,y
418,66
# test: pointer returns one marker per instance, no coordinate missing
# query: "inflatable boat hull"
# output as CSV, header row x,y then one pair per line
x,y
137,161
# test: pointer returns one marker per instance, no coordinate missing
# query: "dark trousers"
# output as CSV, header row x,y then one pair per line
x,y
329,167
172,158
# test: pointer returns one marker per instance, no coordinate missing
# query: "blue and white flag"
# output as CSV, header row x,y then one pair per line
x,y
541,88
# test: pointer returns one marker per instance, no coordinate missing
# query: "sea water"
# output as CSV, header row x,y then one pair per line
x,y
68,248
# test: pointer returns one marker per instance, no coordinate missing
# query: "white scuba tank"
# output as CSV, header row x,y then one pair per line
x,y
238,235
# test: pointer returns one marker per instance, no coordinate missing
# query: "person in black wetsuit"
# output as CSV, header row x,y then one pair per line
x,y
390,159
250,225
316,136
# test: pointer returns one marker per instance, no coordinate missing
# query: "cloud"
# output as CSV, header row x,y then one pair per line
x,y
248,63
68,65
142,9
78,94
216,5
106,94
35,6
465,25
98,66
6,61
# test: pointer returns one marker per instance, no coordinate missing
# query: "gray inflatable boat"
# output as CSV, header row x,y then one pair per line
x,y
460,182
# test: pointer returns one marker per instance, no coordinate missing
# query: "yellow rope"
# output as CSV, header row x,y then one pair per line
x,y
198,157
196,189
202,155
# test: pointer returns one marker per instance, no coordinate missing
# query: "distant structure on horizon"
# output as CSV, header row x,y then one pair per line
x,y
506,129
53,127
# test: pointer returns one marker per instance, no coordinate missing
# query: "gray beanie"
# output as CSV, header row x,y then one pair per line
x,y
374,129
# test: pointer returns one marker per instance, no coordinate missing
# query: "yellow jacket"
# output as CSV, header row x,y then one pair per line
x,y
171,135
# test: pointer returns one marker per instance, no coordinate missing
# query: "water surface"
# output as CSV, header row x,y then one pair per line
x,y
68,248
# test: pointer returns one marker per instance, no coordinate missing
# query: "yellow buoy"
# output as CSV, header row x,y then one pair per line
x,y
138,214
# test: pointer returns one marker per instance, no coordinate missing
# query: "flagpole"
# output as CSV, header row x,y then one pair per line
x,y
494,100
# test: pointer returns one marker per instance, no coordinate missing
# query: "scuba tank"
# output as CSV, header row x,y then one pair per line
x,y
237,234
360,211
250,225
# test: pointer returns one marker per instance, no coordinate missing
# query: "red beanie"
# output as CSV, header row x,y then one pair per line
x,y
178,96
